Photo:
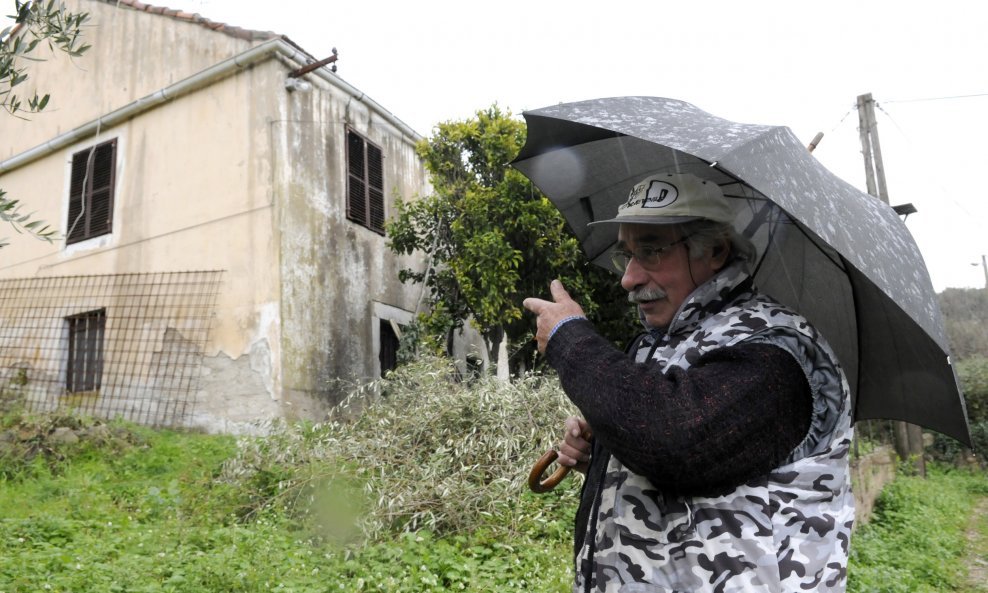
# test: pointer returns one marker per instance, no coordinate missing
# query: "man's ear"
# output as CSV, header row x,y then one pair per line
x,y
719,253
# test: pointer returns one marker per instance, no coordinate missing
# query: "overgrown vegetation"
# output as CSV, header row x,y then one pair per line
x,y
430,453
973,375
46,443
915,542
422,491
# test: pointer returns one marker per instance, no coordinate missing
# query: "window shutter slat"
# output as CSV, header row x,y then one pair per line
x,y
78,174
91,192
358,201
375,181
355,154
365,183
103,165
376,222
375,167
101,217
76,226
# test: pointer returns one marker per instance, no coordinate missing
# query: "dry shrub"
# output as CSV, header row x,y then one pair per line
x,y
428,451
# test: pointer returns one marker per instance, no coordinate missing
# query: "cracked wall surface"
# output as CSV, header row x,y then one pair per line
x,y
233,395
241,177
338,278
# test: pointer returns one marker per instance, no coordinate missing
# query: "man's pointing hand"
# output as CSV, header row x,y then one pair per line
x,y
552,312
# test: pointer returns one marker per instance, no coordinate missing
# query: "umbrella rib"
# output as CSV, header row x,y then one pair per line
x,y
856,390
601,252
839,262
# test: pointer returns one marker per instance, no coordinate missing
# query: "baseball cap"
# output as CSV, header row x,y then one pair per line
x,y
671,198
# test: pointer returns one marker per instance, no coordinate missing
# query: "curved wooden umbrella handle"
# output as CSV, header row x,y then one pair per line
x,y
535,481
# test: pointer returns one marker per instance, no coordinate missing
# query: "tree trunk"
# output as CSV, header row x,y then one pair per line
x,y
901,434
917,449
497,350
909,444
503,367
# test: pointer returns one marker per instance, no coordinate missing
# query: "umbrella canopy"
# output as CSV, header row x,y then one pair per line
x,y
835,254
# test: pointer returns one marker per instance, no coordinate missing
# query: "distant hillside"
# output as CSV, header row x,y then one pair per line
x,y
965,312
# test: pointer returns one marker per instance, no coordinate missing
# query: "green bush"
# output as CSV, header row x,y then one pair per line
x,y
430,452
949,450
973,376
972,373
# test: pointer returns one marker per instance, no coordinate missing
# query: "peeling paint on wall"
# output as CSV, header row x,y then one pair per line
x,y
240,176
233,397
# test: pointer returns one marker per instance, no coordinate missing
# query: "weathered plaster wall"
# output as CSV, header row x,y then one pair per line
x,y
133,54
193,191
235,392
338,277
240,176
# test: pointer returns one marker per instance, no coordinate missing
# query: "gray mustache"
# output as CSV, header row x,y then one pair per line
x,y
646,294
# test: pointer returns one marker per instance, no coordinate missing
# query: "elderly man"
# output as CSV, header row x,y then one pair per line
x,y
719,452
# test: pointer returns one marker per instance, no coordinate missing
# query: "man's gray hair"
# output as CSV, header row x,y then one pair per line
x,y
704,235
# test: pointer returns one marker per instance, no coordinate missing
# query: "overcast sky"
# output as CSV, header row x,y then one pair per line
x,y
780,62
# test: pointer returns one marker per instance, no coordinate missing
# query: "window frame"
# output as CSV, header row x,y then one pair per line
x,y
90,360
82,189
389,343
365,197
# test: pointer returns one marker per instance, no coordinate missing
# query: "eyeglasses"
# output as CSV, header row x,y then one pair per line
x,y
648,256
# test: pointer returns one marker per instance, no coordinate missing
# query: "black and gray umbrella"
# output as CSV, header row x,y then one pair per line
x,y
835,254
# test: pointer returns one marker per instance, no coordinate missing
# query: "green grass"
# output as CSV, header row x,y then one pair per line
x,y
138,510
153,517
916,541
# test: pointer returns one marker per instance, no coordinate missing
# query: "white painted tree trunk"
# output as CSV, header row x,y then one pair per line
x,y
503,367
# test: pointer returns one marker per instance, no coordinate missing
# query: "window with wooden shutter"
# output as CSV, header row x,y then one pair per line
x,y
84,371
91,192
365,182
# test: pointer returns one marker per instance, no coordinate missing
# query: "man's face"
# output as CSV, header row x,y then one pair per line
x,y
662,288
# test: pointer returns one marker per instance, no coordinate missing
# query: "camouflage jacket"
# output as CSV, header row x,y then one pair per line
x,y
786,531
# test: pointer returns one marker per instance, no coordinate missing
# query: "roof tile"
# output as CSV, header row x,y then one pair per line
x,y
239,32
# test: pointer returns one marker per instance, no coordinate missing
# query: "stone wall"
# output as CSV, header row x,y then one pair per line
x,y
869,474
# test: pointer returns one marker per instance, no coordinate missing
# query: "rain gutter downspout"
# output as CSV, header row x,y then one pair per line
x,y
195,82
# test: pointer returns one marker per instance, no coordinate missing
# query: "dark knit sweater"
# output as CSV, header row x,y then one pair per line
x,y
735,414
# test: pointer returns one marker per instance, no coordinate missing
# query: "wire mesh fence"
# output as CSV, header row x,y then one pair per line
x,y
121,345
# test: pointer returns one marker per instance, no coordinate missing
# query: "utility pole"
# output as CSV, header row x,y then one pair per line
x,y
908,437
871,148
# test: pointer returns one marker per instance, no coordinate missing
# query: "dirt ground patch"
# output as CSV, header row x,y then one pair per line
x,y
977,537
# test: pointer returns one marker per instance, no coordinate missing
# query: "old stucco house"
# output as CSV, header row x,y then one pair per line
x,y
223,259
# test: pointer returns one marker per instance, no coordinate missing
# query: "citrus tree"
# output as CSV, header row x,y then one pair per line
x,y
491,238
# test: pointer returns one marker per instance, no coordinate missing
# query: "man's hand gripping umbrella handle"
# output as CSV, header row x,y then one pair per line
x,y
535,481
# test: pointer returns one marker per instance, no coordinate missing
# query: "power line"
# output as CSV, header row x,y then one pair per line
x,y
936,98
914,155
849,112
